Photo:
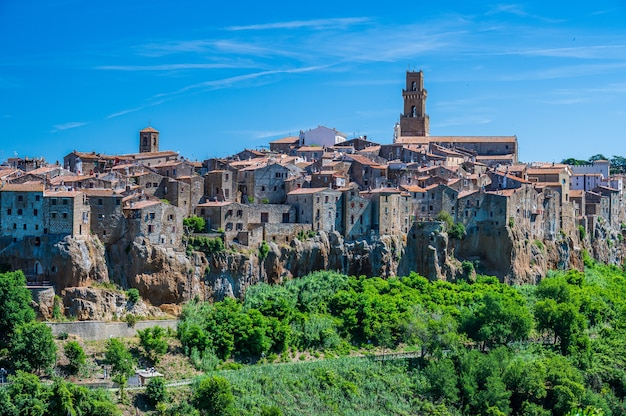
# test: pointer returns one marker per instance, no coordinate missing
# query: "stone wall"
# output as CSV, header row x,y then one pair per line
x,y
100,330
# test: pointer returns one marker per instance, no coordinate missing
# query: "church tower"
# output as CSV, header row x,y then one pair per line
x,y
148,140
414,121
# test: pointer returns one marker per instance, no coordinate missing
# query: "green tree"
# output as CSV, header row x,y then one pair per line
x,y
153,342
122,363
15,301
32,347
498,320
442,381
214,396
156,392
119,358
76,356
195,224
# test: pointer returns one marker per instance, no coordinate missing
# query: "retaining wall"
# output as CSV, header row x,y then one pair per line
x,y
99,330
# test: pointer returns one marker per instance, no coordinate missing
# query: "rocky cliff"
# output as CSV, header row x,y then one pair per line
x,y
166,277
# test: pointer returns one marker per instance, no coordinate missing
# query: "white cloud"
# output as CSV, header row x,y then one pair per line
x,y
67,126
302,24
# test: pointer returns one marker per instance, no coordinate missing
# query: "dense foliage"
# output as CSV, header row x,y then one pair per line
x,y
195,224
483,347
26,395
15,302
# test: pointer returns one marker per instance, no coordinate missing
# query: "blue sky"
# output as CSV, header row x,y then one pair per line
x,y
214,79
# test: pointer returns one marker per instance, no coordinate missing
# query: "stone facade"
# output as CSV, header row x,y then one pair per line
x,y
317,206
158,222
67,213
414,121
22,210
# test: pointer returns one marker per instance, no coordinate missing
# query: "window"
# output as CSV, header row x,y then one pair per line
x,y
65,215
24,226
14,226
326,199
53,201
151,215
37,197
20,197
35,212
9,211
150,228
262,188
65,201
19,211
100,201
239,213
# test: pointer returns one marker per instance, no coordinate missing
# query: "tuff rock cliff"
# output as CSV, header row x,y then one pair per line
x,y
80,268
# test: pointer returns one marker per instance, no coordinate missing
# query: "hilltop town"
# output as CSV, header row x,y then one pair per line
x,y
442,206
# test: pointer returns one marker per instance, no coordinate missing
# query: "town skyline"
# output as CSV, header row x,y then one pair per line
x,y
215,81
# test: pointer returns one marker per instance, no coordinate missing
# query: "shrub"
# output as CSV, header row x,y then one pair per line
x,y
131,319
156,391
76,356
195,224
207,245
446,218
468,267
214,396
457,231
133,295
582,232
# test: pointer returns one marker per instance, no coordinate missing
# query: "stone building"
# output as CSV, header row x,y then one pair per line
x,y
317,206
391,211
357,214
107,216
158,222
22,210
148,140
286,145
67,213
220,185
264,183
414,121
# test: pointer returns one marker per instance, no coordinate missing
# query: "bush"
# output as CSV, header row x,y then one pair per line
x,y
214,396
133,295
457,231
156,391
195,224
76,356
582,232
207,245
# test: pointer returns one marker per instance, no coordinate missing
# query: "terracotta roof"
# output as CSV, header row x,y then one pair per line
x,y
148,129
68,194
23,187
545,171
286,140
214,204
463,194
142,204
503,192
362,160
413,188
385,191
576,193
310,149
306,191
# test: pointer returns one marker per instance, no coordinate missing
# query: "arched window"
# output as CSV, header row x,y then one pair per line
x,y
413,111
414,86
145,141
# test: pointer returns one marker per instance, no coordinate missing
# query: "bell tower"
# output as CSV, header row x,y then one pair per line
x,y
414,121
148,140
